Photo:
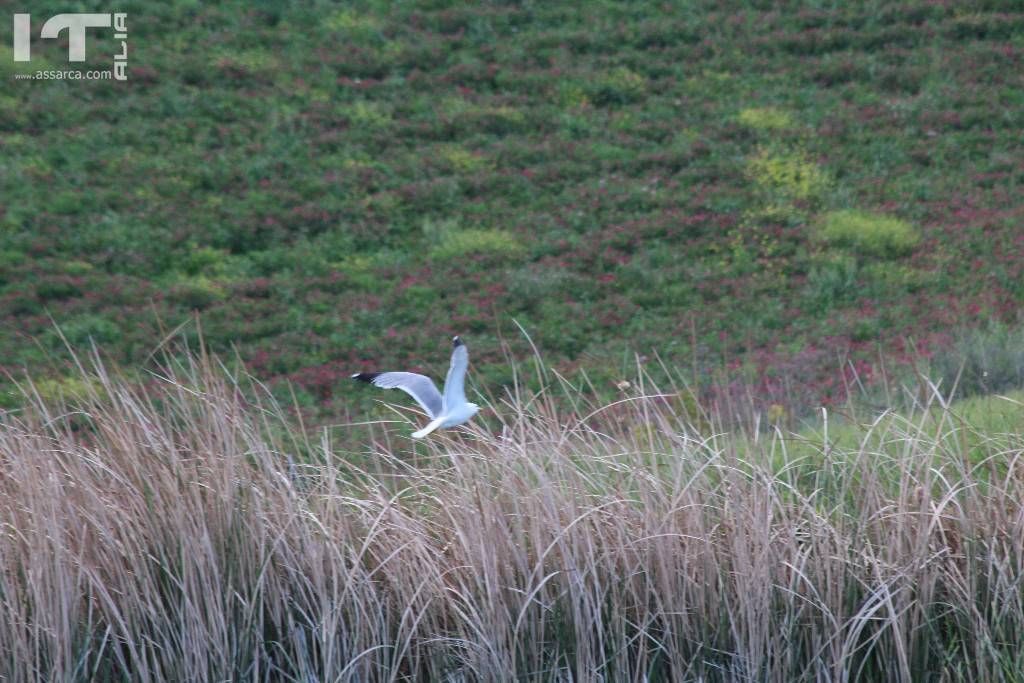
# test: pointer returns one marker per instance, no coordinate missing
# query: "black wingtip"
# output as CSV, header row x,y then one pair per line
x,y
367,377
457,342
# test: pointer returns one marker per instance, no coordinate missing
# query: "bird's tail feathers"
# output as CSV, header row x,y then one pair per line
x,y
428,429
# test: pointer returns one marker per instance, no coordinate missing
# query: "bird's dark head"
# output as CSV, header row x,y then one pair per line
x,y
457,342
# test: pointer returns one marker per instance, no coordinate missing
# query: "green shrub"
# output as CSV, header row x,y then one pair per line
x,y
500,120
361,271
831,283
76,267
790,175
13,113
765,118
463,161
204,260
572,95
608,152
869,234
986,360
890,277
618,86
487,242
448,240
367,115
255,61
11,258
56,289
9,67
82,330
532,284
57,389
197,292
357,28
574,126
775,214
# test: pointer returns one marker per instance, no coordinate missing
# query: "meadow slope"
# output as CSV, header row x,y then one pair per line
x,y
789,195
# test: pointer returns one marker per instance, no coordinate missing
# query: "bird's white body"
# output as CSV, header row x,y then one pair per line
x,y
448,410
459,415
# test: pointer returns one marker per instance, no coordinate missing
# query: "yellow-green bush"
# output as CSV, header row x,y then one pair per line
x,y
789,174
197,292
367,114
76,267
486,242
775,214
463,161
499,120
619,86
869,234
359,28
765,118
205,261
56,389
253,60
572,96
361,272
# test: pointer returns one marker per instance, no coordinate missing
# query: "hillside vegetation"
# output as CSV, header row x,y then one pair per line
x,y
791,196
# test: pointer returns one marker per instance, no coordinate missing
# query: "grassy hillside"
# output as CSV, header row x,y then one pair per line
x,y
185,534
786,193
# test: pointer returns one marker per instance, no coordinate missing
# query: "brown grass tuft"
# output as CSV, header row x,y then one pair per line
x,y
188,533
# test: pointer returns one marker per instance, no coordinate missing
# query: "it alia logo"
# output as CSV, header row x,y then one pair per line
x,y
75,25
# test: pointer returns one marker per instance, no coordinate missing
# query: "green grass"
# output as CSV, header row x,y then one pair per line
x,y
972,422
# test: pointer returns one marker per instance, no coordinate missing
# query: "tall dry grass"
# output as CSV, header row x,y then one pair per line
x,y
187,533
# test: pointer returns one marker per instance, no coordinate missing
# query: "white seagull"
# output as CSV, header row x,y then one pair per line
x,y
449,410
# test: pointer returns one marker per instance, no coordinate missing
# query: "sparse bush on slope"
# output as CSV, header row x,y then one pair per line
x,y
187,534
985,360
869,234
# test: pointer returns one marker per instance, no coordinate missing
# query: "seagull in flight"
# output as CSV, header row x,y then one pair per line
x,y
448,410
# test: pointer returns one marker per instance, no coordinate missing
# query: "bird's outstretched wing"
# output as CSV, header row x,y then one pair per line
x,y
455,382
419,387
